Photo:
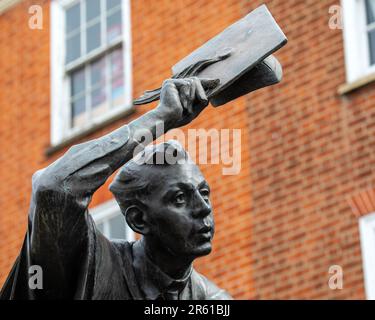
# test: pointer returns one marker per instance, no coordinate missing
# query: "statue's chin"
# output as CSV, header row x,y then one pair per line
x,y
196,251
203,250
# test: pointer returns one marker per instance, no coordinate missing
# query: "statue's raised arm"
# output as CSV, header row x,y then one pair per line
x,y
60,230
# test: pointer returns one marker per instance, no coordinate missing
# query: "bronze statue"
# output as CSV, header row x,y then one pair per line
x,y
168,204
161,192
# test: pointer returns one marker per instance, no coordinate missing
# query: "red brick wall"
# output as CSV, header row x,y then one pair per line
x,y
24,121
284,220
310,151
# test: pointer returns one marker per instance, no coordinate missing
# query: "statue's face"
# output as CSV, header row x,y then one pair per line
x,y
180,210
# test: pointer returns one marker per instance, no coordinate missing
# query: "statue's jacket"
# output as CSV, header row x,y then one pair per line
x,y
76,260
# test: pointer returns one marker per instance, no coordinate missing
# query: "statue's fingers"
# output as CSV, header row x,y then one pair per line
x,y
187,94
200,94
180,83
171,93
191,96
169,87
184,92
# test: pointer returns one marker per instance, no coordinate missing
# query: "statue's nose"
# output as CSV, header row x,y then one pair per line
x,y
201,207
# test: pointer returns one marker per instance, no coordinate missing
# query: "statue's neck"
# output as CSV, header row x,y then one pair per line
x,y
174,266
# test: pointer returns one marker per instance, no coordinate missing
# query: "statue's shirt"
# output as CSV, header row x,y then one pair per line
x,y
77,261
155,284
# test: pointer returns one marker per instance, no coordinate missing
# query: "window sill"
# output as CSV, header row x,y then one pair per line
x,y
51,150
352,86
7,4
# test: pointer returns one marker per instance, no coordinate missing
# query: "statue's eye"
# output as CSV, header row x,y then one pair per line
x,y
180,198
205,193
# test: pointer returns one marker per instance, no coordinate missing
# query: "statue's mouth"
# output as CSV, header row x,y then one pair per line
x,y
205,233
205,229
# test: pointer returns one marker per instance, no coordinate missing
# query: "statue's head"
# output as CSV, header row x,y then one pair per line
x,y
164,197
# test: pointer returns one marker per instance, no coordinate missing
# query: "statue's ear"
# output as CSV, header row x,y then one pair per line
x,y
137,220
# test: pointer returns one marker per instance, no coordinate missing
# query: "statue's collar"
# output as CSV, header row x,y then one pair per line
x,y
151,279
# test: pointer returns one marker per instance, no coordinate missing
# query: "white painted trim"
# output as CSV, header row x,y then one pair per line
x,y
60,108
367,234
357,59
7,4
58,81
108,210
127,51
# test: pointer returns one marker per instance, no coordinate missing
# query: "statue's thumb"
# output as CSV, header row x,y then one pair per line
x,y
209,83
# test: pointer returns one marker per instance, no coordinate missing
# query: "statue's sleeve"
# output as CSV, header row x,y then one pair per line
x,y
61,234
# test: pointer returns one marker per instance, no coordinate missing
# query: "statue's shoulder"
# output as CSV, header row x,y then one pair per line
x,y
206,290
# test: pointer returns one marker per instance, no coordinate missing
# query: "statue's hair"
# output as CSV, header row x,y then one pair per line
x,y
132,183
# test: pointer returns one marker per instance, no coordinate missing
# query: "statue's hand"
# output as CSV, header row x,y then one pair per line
x,y
182,100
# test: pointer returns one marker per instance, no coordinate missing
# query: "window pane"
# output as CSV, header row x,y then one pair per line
x,y
117,65
117,227
98,88
117,78
371,37
93,37
73,18
78,106
73,48
98,72
78,111
92,9
112,3
98,98
370,8
114,26
117,94
78,82
99,103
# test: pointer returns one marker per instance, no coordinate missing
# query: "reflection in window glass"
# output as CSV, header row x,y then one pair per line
x,y
117,78
98,73
98,102
114,22
111,19
98,85
117,65
98,88
98,99
78,111
117,92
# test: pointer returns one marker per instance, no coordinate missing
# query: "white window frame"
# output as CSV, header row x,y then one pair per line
x,y
367,235
106,211
60,88
356,44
